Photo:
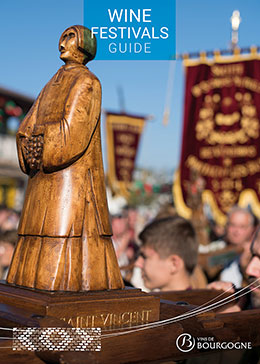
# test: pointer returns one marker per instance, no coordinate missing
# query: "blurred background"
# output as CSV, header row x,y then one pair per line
x,y
30,32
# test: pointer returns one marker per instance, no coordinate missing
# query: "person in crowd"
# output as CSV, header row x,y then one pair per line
x,y
239,232
8,219
168,254
7,243
121,236
4,212
124,246
253,272
217,231
240,226
251,356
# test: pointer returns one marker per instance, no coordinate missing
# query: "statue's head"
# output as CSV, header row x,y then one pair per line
x,y
77,45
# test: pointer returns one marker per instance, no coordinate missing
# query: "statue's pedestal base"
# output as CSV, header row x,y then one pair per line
x,y
111,308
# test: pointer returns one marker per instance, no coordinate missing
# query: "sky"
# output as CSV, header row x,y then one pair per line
x,y
29,57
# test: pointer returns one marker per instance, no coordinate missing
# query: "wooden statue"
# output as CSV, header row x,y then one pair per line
x,y
64,233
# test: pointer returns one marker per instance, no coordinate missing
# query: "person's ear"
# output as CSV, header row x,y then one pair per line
x,y
176,263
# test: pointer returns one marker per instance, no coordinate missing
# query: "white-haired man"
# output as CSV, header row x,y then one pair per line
x,y
253,272
239,231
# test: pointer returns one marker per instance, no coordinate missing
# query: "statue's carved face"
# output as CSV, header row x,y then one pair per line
x,y
69,51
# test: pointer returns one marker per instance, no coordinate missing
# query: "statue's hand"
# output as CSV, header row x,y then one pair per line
x,y
33,151
38,129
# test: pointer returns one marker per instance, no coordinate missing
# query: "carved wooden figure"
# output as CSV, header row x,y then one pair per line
x,y
64,232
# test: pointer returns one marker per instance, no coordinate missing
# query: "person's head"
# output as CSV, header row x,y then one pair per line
x,y
8,219
253,269
7,242
132,217
119,224
168,253
77,45
240,226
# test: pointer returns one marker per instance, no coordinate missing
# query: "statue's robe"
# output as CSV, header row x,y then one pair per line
x,y
64,232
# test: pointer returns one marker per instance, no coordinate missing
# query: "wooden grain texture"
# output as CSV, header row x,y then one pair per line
x,y
157,344
7,355
113,308
193,297
64,233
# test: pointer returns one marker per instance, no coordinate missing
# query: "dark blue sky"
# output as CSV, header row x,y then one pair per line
x,y
30,32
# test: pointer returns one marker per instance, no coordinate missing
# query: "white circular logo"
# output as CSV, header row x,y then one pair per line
x,y
185,342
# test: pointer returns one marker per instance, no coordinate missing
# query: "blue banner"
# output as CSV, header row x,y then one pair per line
x,y
132,30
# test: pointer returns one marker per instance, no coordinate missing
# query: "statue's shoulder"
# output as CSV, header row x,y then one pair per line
x,y
87,76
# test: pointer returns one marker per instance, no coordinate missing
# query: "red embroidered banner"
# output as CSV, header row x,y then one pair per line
x,y
221,140
123,137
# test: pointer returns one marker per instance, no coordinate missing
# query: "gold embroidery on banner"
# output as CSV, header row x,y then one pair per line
x,y
227,199
227,70
213,83
124,162
206,169
205,127
249,168
225,125
227,162
124,174
226,183
127,139
127,128
120,127
246,197
228,119
123,150
228,151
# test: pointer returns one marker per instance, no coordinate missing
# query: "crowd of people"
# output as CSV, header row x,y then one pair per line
x,y
162,252
167,260
8,236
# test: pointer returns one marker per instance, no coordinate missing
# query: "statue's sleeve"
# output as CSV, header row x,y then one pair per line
x,y
25,131
66,140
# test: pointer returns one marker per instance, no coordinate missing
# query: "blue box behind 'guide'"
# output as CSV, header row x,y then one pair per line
x,y
132,30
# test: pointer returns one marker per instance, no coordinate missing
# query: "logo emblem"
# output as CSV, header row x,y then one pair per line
x,y
185,342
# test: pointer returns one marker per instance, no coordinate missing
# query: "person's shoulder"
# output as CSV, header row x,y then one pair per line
x,y
233,265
